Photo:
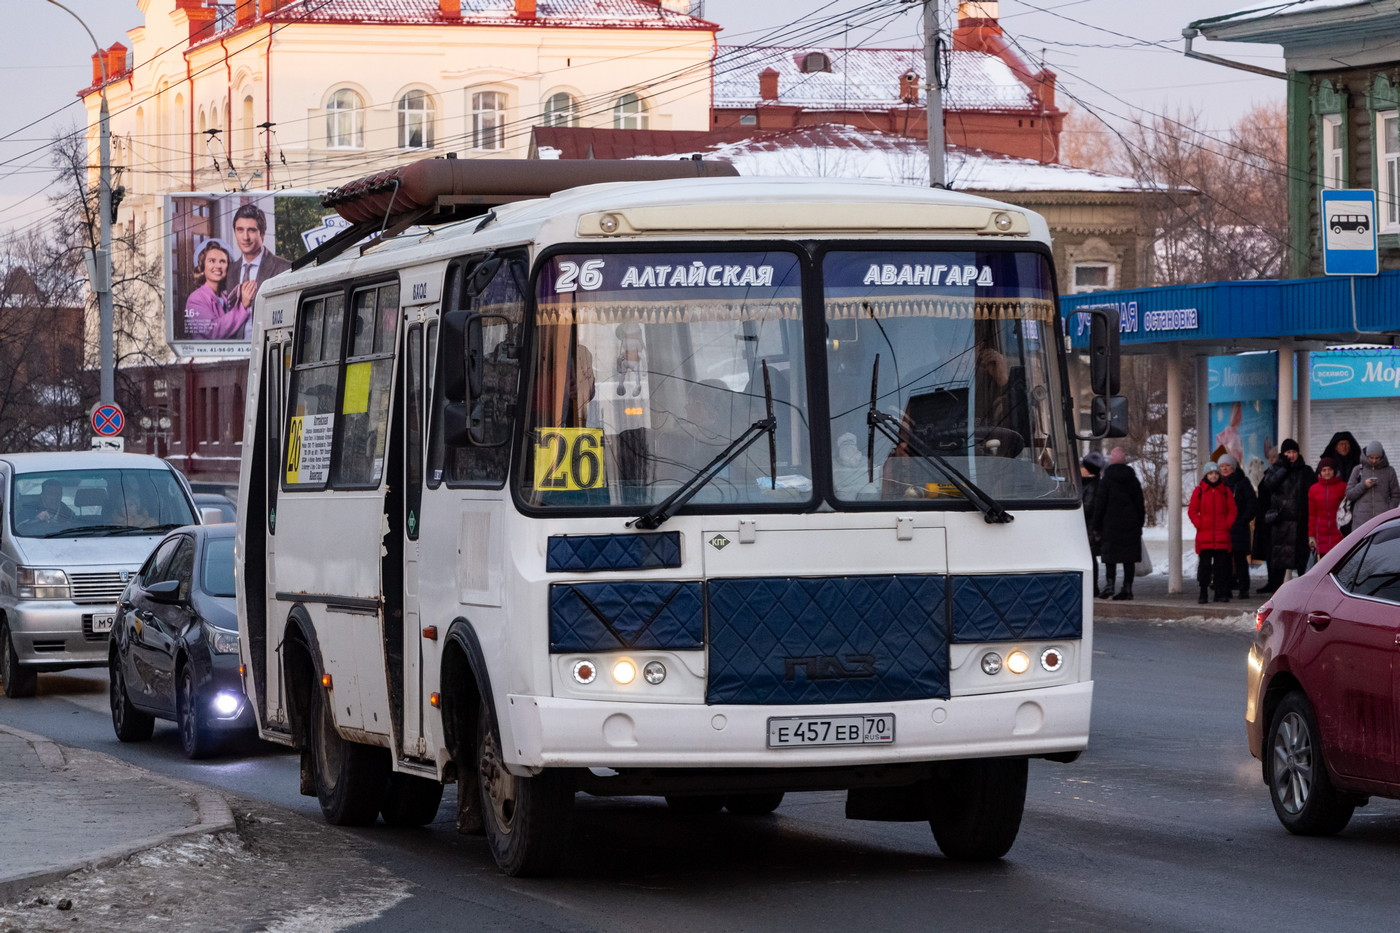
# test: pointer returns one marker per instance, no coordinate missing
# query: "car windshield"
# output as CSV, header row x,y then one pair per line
x,y
216,571
647,366
958,349
58,503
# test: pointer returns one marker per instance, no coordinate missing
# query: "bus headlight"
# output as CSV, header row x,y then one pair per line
x,y
991,663
654,672
624,671
1018,662
33,583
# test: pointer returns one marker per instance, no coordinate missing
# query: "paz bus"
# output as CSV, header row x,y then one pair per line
x,y
629,479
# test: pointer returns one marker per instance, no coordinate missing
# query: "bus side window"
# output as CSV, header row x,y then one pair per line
x,y
502,298
364,404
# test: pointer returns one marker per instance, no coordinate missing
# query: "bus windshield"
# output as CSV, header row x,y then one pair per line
x,y
648,365
958,349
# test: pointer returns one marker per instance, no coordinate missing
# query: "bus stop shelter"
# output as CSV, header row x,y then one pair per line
x,y
1294,318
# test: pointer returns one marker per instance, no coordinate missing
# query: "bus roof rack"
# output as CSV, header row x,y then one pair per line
x,y
434,191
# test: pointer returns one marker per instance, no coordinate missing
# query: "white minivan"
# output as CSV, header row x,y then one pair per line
x,y
74,527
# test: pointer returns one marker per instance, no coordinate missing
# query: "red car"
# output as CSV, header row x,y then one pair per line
x,y
1323,705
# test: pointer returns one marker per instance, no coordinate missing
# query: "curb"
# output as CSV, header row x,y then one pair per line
x,y
213,816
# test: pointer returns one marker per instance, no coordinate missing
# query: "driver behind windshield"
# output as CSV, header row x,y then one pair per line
x,y
52,508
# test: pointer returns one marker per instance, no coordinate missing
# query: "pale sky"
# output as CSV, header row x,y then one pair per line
x,y
1112,56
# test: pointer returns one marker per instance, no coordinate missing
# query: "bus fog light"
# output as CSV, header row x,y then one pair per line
x,y
654,672
585,672
624,671
1052,659
1018,662
991,663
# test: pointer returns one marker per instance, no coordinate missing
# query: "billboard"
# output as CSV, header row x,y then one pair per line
x,y
220,249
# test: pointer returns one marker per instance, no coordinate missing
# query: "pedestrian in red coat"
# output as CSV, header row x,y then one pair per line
x,y
1324,497
1212,511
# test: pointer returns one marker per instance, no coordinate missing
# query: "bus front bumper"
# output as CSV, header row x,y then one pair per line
x,y
547,732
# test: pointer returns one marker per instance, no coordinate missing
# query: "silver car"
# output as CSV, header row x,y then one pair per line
x,y
74,529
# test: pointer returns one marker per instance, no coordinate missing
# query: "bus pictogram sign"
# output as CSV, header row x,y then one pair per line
x,y
108,420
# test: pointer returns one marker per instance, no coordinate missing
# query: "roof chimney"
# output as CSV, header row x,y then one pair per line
x,y
525,9
909,87
977,25
675,6
450,9
243,13
768,84
116,59
96,68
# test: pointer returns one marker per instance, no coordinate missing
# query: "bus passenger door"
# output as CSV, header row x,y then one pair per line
x,y
413,395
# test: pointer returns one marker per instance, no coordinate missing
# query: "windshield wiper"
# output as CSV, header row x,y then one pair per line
x,y
888,425
146,530
84,531
657,514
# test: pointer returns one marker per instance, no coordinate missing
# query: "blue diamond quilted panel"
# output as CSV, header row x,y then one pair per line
x,y
626,615
1012,606
867,639
584,553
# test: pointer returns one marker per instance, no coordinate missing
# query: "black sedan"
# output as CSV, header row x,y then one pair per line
x,y
174,646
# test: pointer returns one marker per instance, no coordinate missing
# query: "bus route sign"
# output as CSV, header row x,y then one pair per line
x,y
1348,219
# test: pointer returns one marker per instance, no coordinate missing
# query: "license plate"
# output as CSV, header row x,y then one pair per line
x,y
807,731
102,623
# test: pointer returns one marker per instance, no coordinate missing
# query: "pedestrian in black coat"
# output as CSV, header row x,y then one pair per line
x,y
1283,498
1089,469
1119,514
1245,504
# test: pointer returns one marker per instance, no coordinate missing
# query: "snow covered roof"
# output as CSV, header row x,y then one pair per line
x,y
864,79
834,150
1277,7
630,13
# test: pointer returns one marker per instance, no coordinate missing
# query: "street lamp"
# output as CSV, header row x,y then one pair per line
x,y
100,273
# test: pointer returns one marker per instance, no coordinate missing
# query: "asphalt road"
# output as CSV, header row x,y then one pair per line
x,y
1162,825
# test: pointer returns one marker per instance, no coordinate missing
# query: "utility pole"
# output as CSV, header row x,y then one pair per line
x,y
932,76
100,271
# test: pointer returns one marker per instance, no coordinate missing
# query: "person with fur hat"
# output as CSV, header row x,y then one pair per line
x,y
1212,510
1119,514
1246,505
1283,501
1323,498
1372,487
1089,469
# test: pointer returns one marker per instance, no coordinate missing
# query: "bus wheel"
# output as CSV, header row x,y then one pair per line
x,y
410,800
697,804
753,804
350,777
19,682
975,809
527,820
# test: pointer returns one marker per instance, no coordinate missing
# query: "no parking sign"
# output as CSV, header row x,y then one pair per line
x,y
108,419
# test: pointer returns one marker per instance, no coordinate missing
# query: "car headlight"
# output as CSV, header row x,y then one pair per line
x,y
222,641
34,583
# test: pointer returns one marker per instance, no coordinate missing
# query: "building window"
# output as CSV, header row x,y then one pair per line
x,y
488,120
560,110
814,62
1388,165
345,120
415,121
748,119
629,113
1332,152
1092,277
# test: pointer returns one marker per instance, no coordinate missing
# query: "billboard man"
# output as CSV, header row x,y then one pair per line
x,y
255,264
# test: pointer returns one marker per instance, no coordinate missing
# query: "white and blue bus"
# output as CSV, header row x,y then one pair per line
x,y
706,488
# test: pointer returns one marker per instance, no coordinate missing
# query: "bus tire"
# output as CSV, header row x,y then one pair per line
x,y
1299,786
527,820
975,807
753,804
350,777
410,800
19,681
128,722
697,804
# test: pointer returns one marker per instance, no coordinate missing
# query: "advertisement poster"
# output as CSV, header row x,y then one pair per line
x,y
221,249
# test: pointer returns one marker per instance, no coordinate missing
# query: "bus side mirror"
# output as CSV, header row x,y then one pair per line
x,y
1108,416
1103,351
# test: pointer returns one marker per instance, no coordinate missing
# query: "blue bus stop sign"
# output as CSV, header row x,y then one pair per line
x,y
1348,219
